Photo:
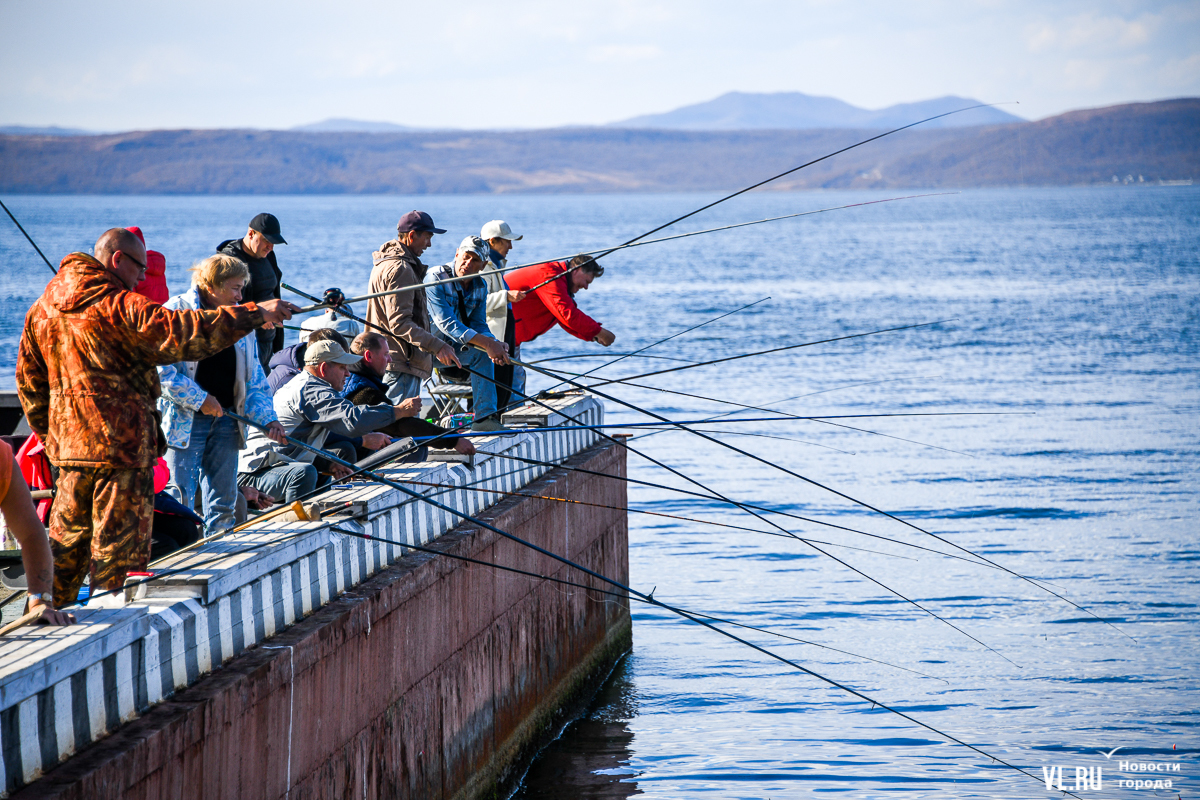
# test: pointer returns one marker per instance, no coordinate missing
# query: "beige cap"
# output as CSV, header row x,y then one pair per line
x,y
325,351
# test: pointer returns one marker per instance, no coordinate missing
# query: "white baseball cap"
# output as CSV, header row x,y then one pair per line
x,y
498,229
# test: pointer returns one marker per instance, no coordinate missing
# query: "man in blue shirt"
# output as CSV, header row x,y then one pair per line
x,y
458,312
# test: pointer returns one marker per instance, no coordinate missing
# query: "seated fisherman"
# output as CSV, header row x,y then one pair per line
x,y
365,386
459,315
554,302
310,409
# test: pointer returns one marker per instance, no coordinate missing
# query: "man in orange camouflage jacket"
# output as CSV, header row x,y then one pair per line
x,y
86,379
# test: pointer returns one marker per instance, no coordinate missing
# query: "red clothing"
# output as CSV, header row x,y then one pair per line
x,y
35,468
552,303
154,285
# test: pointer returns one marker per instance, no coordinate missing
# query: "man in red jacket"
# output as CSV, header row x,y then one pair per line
x,y
554,301
87,381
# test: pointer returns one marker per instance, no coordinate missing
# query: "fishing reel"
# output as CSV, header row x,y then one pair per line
x,y
334,298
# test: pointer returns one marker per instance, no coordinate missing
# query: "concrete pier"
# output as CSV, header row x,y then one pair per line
x,y
430,678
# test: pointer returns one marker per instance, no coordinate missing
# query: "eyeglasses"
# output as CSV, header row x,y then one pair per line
x,y
141,264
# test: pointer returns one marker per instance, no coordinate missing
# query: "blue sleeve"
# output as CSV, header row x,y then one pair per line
x,y
443,311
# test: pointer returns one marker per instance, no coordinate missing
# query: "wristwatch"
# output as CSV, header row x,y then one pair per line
x,y
45,597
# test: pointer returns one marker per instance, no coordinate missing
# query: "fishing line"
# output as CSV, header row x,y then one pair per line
x,y
674,471
605,355
759,353
845,496
27,236
649,598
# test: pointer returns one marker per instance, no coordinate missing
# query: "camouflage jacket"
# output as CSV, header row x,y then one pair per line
x,y
86,364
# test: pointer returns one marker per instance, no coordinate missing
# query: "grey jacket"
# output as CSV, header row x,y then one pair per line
x,y
309,409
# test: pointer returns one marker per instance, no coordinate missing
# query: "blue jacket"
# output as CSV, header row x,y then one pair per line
x,y
182,396
444,312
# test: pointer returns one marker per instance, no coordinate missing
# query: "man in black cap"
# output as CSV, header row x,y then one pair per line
x,y
257,250
406,315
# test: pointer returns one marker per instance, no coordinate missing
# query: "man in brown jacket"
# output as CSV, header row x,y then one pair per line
x,y
87,381
406,315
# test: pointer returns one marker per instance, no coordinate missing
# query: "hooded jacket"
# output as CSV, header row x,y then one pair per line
x,y
86,364
154,285
406,314
548,304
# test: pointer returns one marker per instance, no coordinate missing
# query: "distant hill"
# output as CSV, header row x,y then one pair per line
x,y
795,111
49,130
1157,141
341,125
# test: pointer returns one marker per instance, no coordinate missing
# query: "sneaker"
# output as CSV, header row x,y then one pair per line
x,y
490,426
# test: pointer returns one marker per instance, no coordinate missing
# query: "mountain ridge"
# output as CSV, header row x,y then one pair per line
x,y
1154,141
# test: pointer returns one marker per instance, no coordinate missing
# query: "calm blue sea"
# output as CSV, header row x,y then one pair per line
x,y
1069,348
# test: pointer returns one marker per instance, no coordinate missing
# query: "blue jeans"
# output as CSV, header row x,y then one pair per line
x,y
209,462
401,386
284,482
483,388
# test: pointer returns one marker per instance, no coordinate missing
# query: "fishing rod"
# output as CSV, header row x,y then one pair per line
x,y
638,243
785,470
647,598
759,408
21,228
605,250
572,501
674,471
802,166
625,378
607,355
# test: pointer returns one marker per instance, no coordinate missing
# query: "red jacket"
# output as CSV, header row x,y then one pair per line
x,y
552,303
154,285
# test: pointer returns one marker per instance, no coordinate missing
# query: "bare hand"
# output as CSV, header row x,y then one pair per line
x,y
340,472
497,351
408,408
515,295
446,356
605,337
48,616
275,312
374,441
464,446
277,433
212,407
255,498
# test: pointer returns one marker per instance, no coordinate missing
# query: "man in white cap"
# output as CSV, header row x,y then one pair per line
x,y
310,408
510,379
458,312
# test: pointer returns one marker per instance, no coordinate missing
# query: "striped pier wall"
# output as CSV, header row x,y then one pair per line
x,y
294,659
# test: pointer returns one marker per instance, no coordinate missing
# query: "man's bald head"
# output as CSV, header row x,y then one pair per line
x,y
115,239
122,254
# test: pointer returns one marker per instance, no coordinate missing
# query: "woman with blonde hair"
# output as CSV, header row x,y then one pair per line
x,y
203,443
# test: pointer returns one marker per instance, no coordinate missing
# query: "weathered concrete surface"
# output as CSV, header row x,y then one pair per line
x,y
433,679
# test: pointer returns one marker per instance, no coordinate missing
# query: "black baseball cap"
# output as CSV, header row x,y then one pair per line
x,y
268,226
417,221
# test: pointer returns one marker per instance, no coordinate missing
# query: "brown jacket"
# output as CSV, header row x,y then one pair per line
x,y
85,365
406,314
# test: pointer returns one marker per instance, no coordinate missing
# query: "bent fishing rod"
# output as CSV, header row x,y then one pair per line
x,y
802,166
697,483
646,598
21,228
605,250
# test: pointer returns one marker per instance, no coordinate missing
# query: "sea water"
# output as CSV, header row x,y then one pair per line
x,y
1048,422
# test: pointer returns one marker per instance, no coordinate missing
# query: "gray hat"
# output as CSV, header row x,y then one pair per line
x,y
325,351
474,245
498,229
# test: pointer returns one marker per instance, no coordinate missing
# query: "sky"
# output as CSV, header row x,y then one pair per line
x,y
112,66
